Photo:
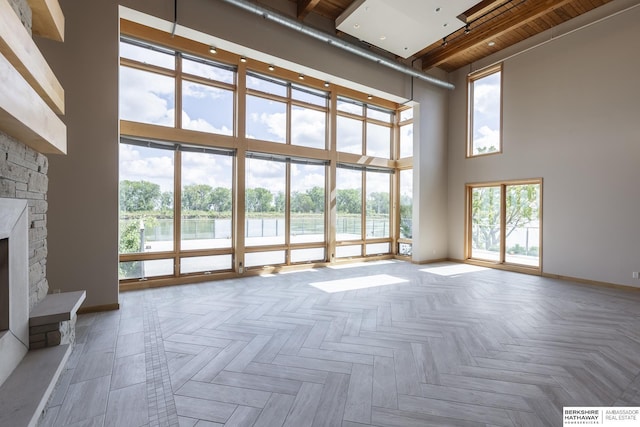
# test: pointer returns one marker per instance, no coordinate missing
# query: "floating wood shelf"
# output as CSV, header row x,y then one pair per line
x,y
48,19
25,116
19,48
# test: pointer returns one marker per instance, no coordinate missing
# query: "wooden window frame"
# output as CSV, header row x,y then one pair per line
x,y
501,263
241,145
471,79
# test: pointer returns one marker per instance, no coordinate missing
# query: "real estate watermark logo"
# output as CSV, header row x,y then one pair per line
x,y
601,416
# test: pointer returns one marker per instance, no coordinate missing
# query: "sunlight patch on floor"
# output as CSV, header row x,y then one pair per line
x,y
454,269
360,264
355,283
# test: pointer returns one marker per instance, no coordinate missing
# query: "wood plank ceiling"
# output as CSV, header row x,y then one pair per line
x,y
492,25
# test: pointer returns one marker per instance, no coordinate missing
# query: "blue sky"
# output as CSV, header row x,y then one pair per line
x,y
149,98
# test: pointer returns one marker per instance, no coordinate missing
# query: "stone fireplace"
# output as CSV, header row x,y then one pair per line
x,y
14,284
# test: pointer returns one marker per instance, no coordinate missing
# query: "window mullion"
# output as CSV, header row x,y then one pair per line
x,y
177,210
503,222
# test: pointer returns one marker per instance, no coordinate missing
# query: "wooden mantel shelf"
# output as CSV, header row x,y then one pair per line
x,y
48,19
19,48
25,116
31,96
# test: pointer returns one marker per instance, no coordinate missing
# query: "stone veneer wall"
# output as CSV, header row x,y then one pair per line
x,y
23,175
23,11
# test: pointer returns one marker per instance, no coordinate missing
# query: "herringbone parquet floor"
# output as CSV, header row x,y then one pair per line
x,y
382,344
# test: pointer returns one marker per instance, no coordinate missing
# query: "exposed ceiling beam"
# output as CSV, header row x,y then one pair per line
x,y
306,6
490,30
480,9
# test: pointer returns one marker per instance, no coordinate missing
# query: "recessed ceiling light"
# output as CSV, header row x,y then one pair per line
x,y
213,50
271,67
356,26
327,84
370,97
243,59
491,43
301,76
383,37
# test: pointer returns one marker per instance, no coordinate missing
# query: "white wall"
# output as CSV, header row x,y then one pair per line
x,y
83,189
571,116
430,174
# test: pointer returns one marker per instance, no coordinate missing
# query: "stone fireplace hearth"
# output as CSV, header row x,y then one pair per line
x,y
14,284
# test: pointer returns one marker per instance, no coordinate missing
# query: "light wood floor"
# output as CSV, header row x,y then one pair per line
x,y
407,345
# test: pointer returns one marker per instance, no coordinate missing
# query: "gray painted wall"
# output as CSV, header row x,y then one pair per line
x,y
83,191
571,115
83,185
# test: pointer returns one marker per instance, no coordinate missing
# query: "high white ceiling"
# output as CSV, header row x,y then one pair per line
x,y
402,27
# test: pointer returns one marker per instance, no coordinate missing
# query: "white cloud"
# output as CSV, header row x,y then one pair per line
x,y
349,135
308,127
207,71
195,90
146,97
146,164
485,137
211,169
203,126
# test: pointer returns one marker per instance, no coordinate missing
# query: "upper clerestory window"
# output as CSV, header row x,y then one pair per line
x,y
484,124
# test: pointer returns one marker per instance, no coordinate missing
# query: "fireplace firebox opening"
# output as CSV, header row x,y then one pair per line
x,y
4,284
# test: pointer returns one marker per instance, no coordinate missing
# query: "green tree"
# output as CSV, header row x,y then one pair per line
x,y
349,201
221,199
197,197
258,200
301,202
485,216
406,216
166,200
378,202
279,201
317,198
136,196
522,207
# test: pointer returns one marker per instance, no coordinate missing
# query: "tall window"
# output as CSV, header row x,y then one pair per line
x,y
352,227
504,222
484,131
406,212
265,202
147,84
363,129
406,133
206,210
146,209
207,96
279,111
180,187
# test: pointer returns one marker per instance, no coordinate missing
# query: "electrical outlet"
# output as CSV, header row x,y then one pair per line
x,y
636,275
